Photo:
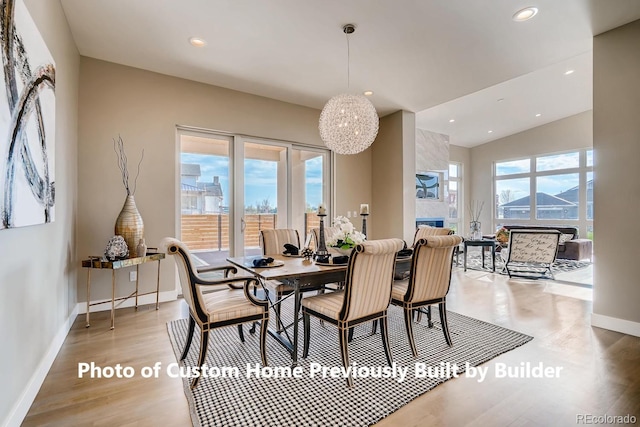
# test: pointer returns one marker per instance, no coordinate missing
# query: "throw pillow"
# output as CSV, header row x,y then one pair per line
x,y
564,237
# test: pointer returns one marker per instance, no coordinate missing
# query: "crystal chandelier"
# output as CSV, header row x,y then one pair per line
x,y
348,122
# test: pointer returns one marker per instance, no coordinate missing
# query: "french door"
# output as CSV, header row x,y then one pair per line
x,y
233,186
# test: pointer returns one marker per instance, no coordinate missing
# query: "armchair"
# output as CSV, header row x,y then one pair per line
x,y
231,304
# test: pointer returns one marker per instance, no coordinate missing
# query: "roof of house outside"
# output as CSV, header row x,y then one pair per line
x,y
542,199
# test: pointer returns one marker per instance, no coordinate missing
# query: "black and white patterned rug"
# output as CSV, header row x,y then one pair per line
x,y
474,262
314,400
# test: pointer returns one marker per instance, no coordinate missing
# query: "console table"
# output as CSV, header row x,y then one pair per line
x,y
101,263
484,243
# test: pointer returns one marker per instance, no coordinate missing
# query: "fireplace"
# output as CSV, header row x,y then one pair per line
x,y
433,222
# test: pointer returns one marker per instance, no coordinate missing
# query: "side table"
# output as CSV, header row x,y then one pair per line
x,y
484,243
100,263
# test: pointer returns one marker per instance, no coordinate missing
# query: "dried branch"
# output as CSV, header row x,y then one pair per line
x,y
121,158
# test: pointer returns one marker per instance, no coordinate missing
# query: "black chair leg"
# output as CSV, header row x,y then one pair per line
x,y
374,328
443,319
408,325
263,340
344,351
306,324
429,322
187,345
384,331
350,334
240,332
204,343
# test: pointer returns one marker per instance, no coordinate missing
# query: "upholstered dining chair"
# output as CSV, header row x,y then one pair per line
x,y
425,231
328,233
231,304
272,242
428,283
422,232
365,297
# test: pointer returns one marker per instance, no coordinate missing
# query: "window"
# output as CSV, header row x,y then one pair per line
x,y
512,198
561,182
454,195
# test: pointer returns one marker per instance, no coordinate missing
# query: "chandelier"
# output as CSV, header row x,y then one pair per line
x,y
348,122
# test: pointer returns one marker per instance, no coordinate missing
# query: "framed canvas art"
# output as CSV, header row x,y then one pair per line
x,y
27,121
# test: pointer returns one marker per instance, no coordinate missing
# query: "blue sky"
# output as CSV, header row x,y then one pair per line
x,y
260,177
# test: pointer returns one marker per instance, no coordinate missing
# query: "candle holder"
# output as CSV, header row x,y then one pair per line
x,y
364,223
322,254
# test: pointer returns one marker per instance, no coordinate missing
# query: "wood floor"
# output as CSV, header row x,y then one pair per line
x,y
600,369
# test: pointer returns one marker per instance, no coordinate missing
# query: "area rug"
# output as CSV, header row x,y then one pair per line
x,y
314,400
474,262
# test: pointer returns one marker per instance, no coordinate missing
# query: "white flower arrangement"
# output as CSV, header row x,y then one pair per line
x,y
347,237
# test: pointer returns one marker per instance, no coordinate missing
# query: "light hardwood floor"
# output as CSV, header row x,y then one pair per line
x,y
600,369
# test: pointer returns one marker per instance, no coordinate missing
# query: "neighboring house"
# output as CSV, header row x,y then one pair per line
x,y
563,205
199,197
573,194
547,206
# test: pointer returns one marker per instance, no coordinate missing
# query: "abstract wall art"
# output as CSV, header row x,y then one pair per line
x,y
27,121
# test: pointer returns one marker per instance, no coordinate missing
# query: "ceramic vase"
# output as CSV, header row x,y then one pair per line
x,y
141,249
130,225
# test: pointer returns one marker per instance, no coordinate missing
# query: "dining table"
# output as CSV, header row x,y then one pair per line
x,y
299,273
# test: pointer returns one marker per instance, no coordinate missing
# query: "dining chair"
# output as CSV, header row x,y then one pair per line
x,y
428,283
231,304
328,233
272,242
366,296
425,231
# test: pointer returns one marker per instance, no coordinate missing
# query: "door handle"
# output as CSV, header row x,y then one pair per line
x,y
243,225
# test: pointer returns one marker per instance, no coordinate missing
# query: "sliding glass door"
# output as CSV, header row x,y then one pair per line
x,y
231,187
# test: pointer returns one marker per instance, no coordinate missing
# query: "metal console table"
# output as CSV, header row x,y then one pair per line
x,y
100,263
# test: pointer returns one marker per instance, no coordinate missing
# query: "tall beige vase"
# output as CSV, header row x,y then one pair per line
x,y
130,225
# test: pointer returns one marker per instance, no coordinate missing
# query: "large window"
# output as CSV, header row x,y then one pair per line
x,y
561,182
454,195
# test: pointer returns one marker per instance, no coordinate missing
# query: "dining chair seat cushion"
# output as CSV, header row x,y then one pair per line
x,y
229,304
327,304
399,289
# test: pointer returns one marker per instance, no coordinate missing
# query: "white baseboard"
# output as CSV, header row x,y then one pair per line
x,y
614,324
131,302
21,407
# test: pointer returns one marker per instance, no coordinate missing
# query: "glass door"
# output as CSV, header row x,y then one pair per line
x,y
231,187
266,191
205,196
282,186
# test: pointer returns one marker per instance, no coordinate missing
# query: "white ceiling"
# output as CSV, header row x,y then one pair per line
x,y
442,59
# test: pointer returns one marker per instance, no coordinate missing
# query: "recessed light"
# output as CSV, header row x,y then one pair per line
x,y
197,42
452,120
566,73
538,115
525,14
490,131
368,92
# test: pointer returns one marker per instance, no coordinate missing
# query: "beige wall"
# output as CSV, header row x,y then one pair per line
x,y
572,133
38,263
144,108
616,143
393,177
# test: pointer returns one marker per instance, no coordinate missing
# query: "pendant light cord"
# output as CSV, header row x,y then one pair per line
x,y
348,63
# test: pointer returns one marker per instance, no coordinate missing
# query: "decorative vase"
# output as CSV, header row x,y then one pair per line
x,y
475,230
141,249
343,252
130,225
